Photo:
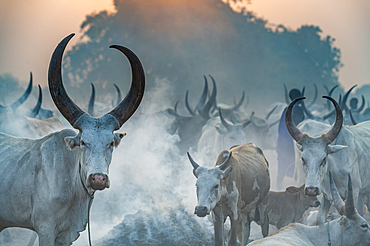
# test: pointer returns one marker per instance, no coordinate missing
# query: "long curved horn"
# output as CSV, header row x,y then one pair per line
x,y
193,163
119,97
128,106
225,164
287,100
240,102
90,110
24,97
335,129
354,122
358,110
350,206
343,105
292,128
35,111
306,111
303,90
330,93
314,98
203,97
187,105
176,105
223,121
65,105
338,202
207,107
270,113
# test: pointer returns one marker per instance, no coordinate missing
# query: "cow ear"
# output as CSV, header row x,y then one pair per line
x,y
292,189
221,130
300,147
227,172
331,149
117,138
72,142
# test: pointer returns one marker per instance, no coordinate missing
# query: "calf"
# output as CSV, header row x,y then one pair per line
x,y
285,207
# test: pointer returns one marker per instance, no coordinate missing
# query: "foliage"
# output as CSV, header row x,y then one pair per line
x,y
182,40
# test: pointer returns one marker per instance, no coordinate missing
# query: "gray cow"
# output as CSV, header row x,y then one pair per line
x,y
49,183
234,188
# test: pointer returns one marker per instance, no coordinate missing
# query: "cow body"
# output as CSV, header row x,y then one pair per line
x,y
39,191
350,229
48,184
353,160
283,208
336,149
233,188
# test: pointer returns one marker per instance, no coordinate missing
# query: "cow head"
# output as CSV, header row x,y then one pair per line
x,y
354,230
96,138
304,200
315,150
232,133
209,185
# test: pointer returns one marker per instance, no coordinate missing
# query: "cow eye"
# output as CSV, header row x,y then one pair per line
x,y
303,161
82,143
216,187
111,144
364,226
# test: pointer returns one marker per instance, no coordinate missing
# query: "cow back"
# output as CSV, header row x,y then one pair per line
x,y
249,174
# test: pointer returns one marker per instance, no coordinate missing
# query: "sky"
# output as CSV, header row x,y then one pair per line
x,y
31,29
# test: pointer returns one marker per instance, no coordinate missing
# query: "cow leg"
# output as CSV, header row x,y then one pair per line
x,y
246,227
231,234
265,225
218,226
46,235
323,211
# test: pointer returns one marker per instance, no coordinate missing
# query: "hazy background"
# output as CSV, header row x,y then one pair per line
x,y
242,46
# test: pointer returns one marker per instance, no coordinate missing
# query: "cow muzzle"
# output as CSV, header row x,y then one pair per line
x,y
312,191
98,181
201,211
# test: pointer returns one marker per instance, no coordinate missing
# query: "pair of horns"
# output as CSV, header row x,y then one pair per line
x,y
71,111
223,166
297,134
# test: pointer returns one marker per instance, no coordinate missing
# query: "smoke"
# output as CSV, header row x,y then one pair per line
x,y
148,174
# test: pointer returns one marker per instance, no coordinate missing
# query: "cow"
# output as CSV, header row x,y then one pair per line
x,y
189,128
285,207
341,150
29,125
233,188
350,229
49,183
219,134
13,107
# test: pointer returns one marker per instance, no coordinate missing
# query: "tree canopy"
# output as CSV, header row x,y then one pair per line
x,y
183,40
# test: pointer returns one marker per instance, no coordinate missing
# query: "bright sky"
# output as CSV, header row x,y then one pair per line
x,y
30,30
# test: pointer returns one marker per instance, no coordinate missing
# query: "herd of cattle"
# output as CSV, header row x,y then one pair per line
x,y
51,173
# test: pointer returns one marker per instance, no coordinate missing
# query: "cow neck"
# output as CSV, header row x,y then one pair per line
x,y
91,196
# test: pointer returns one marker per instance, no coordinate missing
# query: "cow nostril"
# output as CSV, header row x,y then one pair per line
x,y
92,178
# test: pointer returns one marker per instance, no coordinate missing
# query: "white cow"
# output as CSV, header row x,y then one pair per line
x,y
218,134
350,229
341,150
49,183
